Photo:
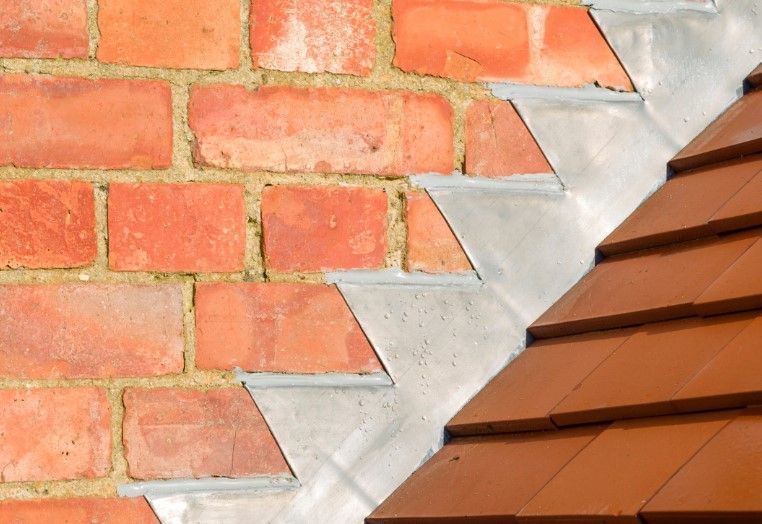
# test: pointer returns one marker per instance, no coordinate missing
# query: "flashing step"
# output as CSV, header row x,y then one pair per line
x,y
396,277
321,380
652,6
209,484
588,93
531,183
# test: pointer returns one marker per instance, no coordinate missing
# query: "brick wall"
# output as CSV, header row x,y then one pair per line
x,y
179,173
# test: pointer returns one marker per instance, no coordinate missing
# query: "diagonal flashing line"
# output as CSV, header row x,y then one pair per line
x,y
323,380
535,183
395,277
213,484
589,93
651,6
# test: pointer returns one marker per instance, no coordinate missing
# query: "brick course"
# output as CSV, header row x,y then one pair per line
x,y
90,330
54,433
279,327
176,227
175,433
103,123
172,33
43,29
46,224
321,130
323,228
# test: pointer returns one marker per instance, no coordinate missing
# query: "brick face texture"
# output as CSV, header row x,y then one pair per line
x,y
336,36
172,33
88,123
175,181
432,246
524,43
78,510
321,130
176,227
498,143
279,327
43,29
54,433
323,228
90,330
175,433
46,224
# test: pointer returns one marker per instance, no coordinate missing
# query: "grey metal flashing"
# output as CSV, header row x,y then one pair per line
x,y
652,6
547,183
395,277
589,93
321,380
210,484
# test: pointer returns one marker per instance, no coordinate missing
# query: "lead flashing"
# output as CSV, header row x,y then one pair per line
x,y
211,484
323,380
652,6
547,183
588,93
395,277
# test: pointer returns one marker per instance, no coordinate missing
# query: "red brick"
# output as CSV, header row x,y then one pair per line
x,y
78,511
43,28
314,36
431,244
76,122
176,227
90,330
279,327
196,34
54,434
172,433
498,143
323,130
46,224
500,41
323,228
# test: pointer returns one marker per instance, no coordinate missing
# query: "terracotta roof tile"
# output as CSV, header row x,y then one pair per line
x,y
736,132
755,77
487,479
732,378
643,374
683,208
738,288
521,397
743,210
721,483
623,468
653,285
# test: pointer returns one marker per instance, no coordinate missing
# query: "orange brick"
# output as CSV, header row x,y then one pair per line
x,y
314,36
489,40
46,224
54,433
77,511
176,227
90,330
43,28
279,327
498,143
173,433
75,122
323,228
321,130
196,34
431,244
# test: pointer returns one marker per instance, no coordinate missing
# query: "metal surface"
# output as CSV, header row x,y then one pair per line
x,y
350,447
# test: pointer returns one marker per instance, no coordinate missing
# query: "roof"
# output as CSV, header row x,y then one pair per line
x,y
636,400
